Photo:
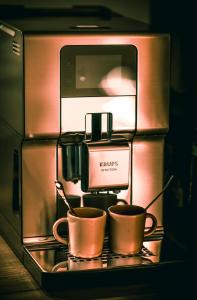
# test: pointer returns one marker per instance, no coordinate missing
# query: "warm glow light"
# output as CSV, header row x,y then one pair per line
x,y
124,108
118,82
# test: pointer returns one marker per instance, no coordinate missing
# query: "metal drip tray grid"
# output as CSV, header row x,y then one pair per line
x,y
110,259
58,258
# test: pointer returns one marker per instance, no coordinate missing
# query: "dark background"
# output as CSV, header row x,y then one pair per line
x,y
178,18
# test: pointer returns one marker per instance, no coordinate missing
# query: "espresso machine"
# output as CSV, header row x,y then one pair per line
x,y
84,102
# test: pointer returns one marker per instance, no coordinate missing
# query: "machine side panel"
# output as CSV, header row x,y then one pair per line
x,y
148,172
38,189
153,84
42,79
10,192
11,78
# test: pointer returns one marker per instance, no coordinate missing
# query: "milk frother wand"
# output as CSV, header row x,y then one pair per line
x,y
162,191
60,189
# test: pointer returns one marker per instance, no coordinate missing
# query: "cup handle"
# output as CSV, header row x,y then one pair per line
x,y
55,231
154,224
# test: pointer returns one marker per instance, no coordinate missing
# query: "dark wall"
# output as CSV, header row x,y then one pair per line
x,y
178,18
127,8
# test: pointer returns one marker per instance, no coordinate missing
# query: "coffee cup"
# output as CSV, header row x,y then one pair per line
x,y
127,228
86,231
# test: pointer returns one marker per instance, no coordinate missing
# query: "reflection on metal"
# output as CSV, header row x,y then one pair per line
x,y
122,107
108,166
58,258
38,190
148,172
7,30
154,247
117,80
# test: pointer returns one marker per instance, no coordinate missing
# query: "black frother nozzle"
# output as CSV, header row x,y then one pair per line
x,y
162,191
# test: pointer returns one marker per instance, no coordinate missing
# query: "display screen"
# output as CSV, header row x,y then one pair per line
x,y
98,71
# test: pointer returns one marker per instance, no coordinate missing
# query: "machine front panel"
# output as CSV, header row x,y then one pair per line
x,y
43,76
123,109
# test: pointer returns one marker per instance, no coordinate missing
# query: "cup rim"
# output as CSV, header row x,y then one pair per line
x,y
90,209
140,208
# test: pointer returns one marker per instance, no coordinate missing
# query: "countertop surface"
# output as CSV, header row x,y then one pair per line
x,y
17,283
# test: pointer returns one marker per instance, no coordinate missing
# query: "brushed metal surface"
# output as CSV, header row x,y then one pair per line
x,y
10,196
108,167
74,188
123,109
11,80
147,173
38,189
42,78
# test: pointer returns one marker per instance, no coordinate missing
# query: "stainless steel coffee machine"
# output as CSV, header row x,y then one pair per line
x,y
86,104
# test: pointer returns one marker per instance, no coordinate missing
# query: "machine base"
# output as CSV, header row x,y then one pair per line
x,y
54,268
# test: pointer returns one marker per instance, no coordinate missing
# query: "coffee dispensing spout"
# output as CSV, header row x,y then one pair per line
x,y
105,159
98,126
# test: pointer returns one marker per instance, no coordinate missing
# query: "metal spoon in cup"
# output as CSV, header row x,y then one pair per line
x,y
60,189
162,191
61,192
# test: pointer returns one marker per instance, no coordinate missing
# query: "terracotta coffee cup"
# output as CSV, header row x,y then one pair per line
x,y
127,228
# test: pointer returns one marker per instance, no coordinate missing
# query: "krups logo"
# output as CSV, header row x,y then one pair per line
x,y
109,163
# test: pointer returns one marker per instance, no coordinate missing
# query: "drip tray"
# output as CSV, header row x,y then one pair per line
x,y
107,259
58,259
52,265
